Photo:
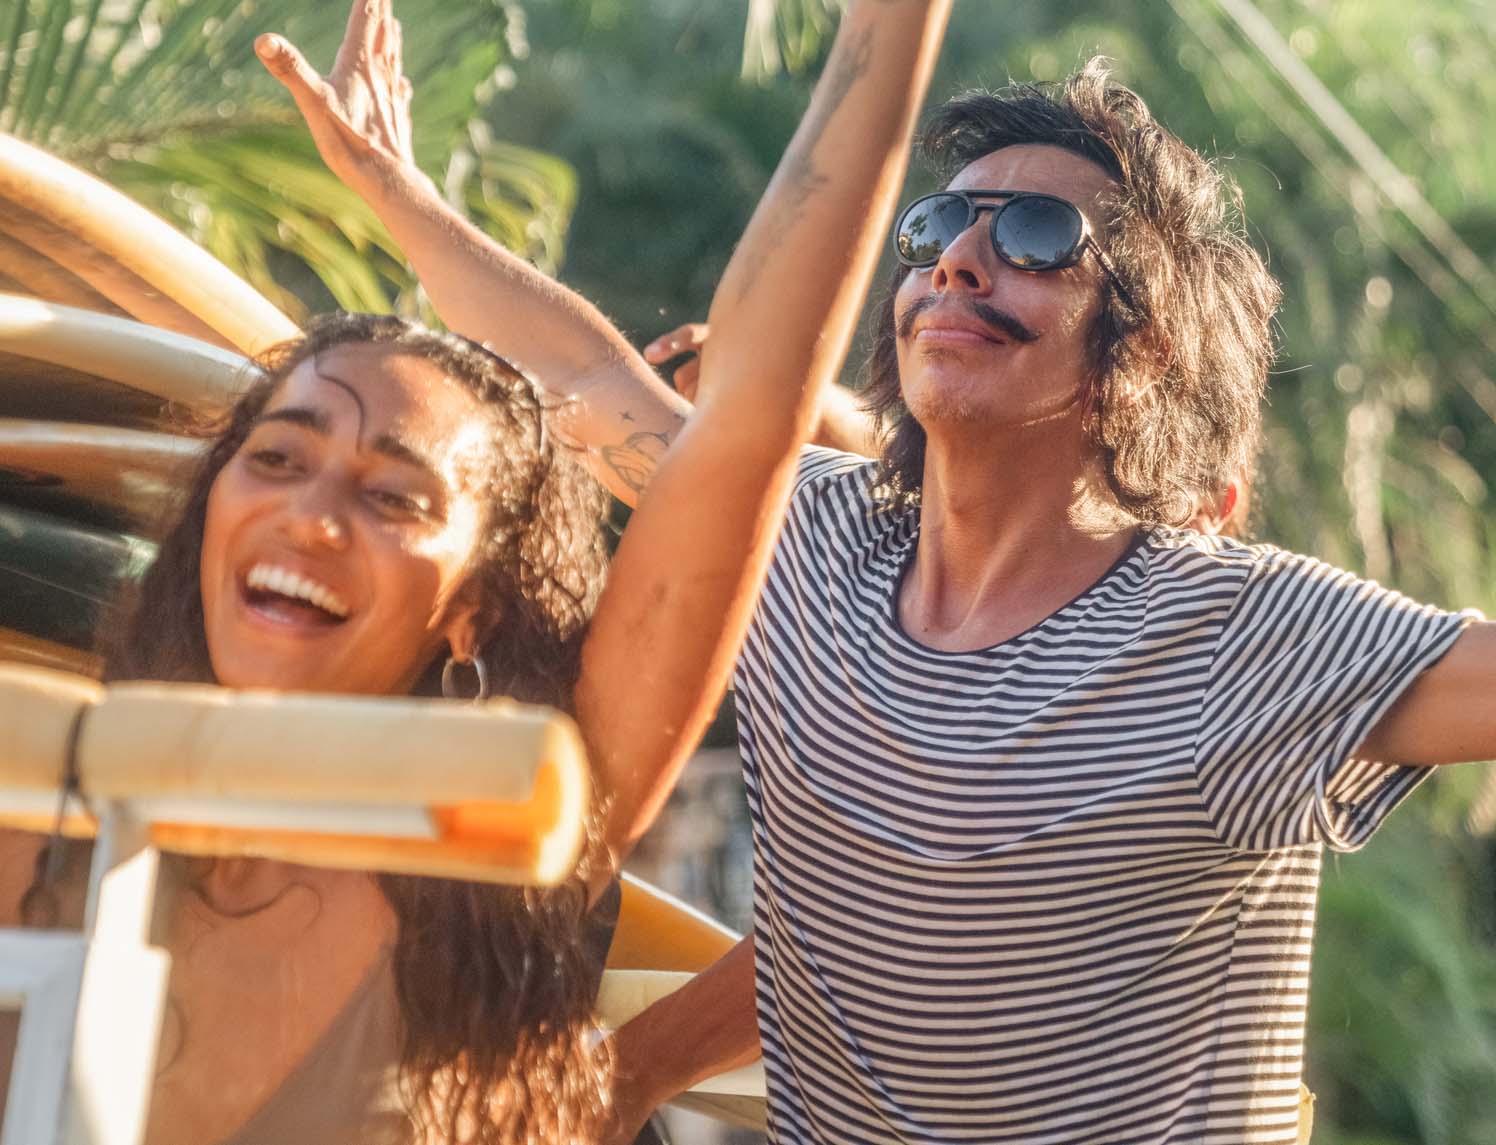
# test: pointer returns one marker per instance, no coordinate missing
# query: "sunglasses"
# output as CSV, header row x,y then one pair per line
x,y
1027,230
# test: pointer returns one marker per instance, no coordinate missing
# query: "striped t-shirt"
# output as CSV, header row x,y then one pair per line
x,y
1061,889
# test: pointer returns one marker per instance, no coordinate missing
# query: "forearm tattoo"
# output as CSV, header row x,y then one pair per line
x,y
634,459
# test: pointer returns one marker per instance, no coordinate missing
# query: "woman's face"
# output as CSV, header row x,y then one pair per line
x,y
339,535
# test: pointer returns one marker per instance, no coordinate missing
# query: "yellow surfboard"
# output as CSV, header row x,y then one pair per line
x,y
657,931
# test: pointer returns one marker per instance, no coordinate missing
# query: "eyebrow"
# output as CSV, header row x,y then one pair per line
x,y
318,422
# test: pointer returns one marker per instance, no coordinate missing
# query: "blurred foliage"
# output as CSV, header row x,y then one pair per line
x,y
660,121
166,99
786,34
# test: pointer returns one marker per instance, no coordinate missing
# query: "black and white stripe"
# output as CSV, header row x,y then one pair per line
x,y
1059,890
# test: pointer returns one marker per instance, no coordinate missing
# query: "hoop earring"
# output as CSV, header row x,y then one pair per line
x,y
449,684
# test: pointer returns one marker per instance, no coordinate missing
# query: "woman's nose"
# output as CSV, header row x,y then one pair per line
x,y
316,520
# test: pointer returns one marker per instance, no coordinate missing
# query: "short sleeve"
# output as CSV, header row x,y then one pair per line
x,y
1307,661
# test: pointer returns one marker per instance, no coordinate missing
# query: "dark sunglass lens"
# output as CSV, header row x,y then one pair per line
x,y
1036,233
928,227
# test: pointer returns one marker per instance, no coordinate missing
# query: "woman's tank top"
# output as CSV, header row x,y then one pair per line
x,y
345,1091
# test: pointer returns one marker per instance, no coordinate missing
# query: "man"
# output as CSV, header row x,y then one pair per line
x,y
1039,786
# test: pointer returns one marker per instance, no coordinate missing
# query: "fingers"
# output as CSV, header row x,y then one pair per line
x,y
687,339
288,65
365,22
687,379
402,110
381,48
354,36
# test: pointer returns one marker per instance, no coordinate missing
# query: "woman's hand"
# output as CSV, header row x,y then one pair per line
x,y
359,114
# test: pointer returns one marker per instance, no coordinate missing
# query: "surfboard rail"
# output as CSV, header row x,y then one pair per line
x,y
501,793
172,367
81,222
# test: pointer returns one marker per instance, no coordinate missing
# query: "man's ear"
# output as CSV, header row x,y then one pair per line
x,y
1227,504
1213,518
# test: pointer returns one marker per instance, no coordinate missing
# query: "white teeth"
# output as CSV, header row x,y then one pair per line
x,y
283,582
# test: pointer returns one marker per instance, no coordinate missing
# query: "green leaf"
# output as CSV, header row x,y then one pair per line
x,y
166,98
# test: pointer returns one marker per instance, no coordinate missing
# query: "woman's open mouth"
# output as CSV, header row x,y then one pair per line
x,y
285,597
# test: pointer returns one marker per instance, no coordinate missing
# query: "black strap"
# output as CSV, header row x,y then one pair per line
x,y
72,785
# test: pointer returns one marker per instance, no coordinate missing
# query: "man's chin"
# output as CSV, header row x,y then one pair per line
x,y
962,409
935,407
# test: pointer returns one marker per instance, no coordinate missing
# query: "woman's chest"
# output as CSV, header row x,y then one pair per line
x,y
264,958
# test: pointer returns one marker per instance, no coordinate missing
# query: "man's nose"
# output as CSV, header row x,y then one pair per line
x,y
966,262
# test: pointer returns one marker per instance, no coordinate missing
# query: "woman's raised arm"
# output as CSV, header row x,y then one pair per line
x,y
686,575
359,116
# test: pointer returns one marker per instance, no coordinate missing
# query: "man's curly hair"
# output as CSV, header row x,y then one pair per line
x,y
1174,406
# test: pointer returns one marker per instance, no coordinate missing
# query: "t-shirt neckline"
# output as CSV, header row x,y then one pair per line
x,y
905,561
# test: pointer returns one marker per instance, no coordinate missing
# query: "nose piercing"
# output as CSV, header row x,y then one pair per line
x,y
329,528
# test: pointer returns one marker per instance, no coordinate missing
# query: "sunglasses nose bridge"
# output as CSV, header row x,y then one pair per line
x,y
968,259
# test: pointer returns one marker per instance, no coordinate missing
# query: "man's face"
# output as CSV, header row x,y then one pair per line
x,y
957,366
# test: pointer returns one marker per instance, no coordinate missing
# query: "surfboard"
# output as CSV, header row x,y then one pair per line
x,y
659,944
96,474
69,364
92,246
57,576
19,648
657,931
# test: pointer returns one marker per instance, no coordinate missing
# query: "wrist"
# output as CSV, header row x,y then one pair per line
x,y
384,180
636,1093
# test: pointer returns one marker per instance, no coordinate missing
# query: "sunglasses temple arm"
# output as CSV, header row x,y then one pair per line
x,y
1106,265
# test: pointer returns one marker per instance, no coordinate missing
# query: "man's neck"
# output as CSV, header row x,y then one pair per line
x,y
1012,528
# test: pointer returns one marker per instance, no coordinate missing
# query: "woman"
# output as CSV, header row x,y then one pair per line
x,y
384,506
389,510
382,512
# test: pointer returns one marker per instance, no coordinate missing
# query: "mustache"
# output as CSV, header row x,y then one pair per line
x,y
999,320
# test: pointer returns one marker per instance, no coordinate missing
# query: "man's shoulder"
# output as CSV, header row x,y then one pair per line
x,y
1190,552
1272,581
821,470
1197,565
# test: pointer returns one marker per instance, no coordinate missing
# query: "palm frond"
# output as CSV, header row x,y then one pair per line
x,y
166,99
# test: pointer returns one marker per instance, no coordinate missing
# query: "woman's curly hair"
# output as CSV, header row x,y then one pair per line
x,y
495,984
1174,407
